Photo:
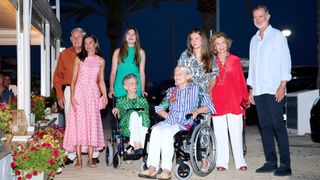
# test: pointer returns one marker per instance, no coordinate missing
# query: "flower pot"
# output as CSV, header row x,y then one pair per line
x,y
40,176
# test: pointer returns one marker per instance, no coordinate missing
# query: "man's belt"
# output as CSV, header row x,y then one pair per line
x,y
64,86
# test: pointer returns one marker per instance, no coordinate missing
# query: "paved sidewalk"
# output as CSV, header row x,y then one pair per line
x,y
305,158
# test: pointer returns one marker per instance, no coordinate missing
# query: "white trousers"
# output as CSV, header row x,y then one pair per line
x,y
161,142
234,125
72,155
137,131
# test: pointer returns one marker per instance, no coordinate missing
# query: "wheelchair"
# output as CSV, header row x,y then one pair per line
x,y
193,146
115,146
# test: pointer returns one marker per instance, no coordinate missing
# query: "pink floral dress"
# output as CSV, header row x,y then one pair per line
x,y
83,123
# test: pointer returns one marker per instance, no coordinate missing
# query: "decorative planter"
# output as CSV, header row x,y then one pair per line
x,y
19,123
40,176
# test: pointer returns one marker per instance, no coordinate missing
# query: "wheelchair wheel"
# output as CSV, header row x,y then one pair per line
x,y
203,147
109,153
183,171
116,160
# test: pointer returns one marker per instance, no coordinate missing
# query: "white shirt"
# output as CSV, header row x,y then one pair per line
x,y
13,88
270,62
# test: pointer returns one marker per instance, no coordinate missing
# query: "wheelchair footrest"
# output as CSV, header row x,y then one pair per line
x,y
131,156
137,154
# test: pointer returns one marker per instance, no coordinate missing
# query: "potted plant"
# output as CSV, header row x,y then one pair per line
x,y
13,103
4,119
38,107
42,155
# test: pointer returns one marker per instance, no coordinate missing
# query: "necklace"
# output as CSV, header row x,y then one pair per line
x,y
223,69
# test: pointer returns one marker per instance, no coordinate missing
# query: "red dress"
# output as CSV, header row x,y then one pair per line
x,y
230,90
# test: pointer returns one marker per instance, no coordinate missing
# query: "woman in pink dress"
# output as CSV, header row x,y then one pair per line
x,y
84,132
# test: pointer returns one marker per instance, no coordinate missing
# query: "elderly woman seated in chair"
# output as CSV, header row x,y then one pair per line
x,y
181,100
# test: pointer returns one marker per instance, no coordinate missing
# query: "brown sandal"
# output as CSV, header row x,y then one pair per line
x,y
91,164
147,174
78,165
164,176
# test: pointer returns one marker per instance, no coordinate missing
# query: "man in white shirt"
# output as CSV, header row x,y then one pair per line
x,y
8,85
269,71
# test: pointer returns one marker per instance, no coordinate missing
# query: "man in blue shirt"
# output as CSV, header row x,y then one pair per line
x,y
269,71
5,94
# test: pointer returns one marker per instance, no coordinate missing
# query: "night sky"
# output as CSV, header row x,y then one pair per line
x,y
163,31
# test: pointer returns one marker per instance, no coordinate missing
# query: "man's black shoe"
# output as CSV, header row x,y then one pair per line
x,y
267,167
68,161
96,160
283,171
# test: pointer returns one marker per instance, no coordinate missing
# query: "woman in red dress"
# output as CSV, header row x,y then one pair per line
x,y
229,96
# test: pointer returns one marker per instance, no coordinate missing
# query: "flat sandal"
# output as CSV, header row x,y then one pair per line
x,y
147,174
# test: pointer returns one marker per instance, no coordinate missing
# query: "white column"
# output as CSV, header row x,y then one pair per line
x,y
58,9
48,55
52,65
42,61
26,58
20,69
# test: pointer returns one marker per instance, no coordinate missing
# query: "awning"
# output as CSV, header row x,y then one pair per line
x,y
40,10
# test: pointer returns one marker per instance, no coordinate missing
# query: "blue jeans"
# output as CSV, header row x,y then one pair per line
x,y
270,114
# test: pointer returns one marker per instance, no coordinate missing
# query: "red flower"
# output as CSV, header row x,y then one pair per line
x,y
18,172
13,165
55,153
52,174
45,144
51,161
35,172
28,176
41,135
19,178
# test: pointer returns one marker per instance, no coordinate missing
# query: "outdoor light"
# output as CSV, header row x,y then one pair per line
x,y
286,32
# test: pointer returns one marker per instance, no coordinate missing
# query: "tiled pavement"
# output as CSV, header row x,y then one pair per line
x,y
305,158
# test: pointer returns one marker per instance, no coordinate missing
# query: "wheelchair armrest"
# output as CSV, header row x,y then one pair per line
x,y
135,109
199,116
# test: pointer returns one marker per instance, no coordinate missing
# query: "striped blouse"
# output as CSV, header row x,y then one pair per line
x,y
199,75
183,101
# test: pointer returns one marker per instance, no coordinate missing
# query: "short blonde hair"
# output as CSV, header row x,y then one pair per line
x,y
186,70
217,35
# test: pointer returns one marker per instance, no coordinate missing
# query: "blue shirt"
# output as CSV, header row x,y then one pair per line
x,y
5,95
184,101
270,62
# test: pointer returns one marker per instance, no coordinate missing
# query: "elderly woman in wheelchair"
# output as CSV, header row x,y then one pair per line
x,y
134,114
181,100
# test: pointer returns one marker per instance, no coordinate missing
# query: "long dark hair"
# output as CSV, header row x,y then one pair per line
x,y
83,53
123,53
206,56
